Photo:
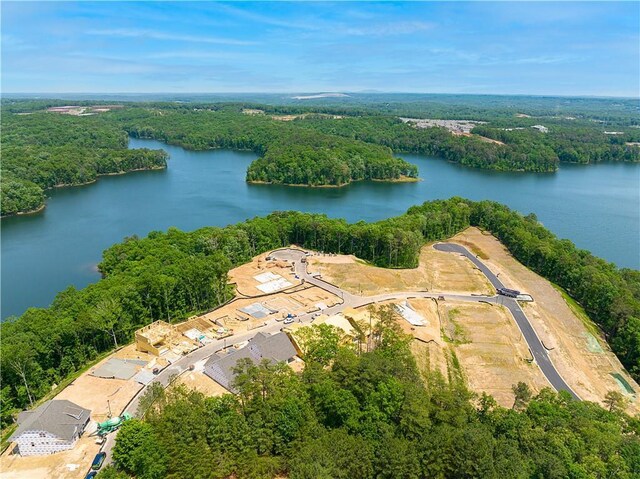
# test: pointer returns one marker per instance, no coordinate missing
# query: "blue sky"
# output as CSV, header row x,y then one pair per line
x,y
568,48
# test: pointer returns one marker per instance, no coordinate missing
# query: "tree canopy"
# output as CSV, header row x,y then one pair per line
x,y
372,415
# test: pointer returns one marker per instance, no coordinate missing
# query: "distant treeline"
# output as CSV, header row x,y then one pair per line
x,y
466,150
309,155
44,150
328,145
525,149
173,275
611,111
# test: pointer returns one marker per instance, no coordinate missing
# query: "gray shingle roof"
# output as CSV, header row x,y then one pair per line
x,y
58,417
276,347
227,363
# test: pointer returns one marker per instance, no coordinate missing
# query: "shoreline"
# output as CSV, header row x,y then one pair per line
x,y
26,213
402,179
73,185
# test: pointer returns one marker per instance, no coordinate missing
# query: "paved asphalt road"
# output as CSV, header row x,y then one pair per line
x,y
349,300
539,352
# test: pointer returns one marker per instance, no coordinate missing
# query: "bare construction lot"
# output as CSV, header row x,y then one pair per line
x,y
488,346
475,339
437,271
581,354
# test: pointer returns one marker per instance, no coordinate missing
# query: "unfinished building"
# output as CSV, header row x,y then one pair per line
x,y
160,338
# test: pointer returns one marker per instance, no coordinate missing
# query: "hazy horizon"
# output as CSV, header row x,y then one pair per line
x,y
347,93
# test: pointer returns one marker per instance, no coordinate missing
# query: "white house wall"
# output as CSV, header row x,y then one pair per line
x,y
39,443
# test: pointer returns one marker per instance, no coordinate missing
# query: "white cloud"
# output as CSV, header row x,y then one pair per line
x,y
267,20
155,35
384,29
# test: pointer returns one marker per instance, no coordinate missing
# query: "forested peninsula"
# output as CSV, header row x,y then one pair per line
x,y
312,145
174,275
46,150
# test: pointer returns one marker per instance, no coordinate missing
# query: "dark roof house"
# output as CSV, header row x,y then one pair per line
x,y
52,427
276,348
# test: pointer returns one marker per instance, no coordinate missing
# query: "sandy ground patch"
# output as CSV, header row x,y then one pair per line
x,y
301,300
487,343
428,309
588,372
492,353
98,394
430,357
202,383
72,464
243,276
437,271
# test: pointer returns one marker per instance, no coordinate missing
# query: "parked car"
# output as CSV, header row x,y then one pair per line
x,y
98,461
440,298
288,320
91,474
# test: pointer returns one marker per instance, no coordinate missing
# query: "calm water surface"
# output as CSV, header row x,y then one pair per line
x,y
597,207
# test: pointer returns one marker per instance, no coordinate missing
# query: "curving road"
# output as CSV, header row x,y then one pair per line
x,y
539,352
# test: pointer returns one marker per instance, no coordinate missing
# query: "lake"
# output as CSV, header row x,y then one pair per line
x,y
595,206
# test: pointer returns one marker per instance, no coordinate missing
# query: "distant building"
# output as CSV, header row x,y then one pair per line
x,y
52,427
276,348
541,128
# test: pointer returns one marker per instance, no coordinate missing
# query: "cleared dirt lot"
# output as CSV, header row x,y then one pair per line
x,y
300,300
484,340
437,271
202,383
560,328
492,353
97,394
244,276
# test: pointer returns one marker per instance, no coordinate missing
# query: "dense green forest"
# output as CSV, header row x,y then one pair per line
x,y
524,149
328,145
370,415
466,150
175,274
289,155
45,150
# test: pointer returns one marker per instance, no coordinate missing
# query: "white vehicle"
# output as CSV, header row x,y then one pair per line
x,y
288,320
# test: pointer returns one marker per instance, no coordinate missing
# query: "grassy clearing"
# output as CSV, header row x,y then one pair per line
x,y
622,382
580,313
454,369
453,332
